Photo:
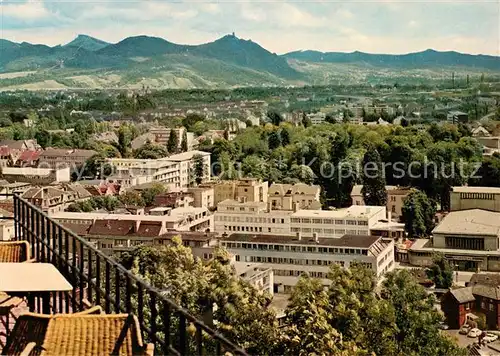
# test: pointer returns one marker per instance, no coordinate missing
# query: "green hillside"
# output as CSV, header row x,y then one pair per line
x,y
87,62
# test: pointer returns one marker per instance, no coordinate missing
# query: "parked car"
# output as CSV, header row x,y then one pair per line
x,y
443,326
490,337
475,332
464,330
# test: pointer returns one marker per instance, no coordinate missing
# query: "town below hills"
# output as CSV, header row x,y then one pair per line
x,y
228,62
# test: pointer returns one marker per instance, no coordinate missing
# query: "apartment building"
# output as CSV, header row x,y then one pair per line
x,y
317,118
359,111
186,161
246,189
470,239
255,217
258,217
396,197
202,196
56,199
395,200
173,200
290,256
355,220
456,117
178,219
463,198
129,172
162,134
257,274
57,158
36,176
285,196
174,170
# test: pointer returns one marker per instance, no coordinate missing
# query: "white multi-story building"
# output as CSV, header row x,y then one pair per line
x,y
174,170
256,217
291,256
355,220
317,118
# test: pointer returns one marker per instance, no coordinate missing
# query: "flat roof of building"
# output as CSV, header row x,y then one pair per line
x,y
354,241
355,211
248,203
15,185
187,155
385,224
175,215
476,190
425,245
470,222
243,267
27,171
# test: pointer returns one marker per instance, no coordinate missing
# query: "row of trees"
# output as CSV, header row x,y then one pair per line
x,y
432,160
352,316
143,198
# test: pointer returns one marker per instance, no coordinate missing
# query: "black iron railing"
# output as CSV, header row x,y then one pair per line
x,y
98,279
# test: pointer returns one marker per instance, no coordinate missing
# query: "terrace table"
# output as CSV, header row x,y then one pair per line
x,y
33,279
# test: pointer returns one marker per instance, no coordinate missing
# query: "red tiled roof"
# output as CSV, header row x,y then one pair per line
x,y
112,227
4,151
78,229
149,229
29,156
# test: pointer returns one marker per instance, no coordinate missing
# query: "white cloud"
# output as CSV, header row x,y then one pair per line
x,y
252,12
211,8
345,13
143,11
413,24
30,10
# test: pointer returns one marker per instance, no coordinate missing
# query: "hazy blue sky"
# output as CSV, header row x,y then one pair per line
x,y
381,26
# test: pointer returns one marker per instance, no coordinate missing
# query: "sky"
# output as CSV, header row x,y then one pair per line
x,y
375,26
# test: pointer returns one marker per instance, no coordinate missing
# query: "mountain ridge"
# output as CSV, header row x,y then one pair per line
x,y
87,42
426,58
228,60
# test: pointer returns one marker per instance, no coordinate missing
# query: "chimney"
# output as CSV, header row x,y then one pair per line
x,y
298,235
315,237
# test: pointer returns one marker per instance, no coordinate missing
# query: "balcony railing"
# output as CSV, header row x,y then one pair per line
x,y
98,279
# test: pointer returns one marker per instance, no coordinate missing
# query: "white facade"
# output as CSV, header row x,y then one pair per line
x,y
232,216
174,170
317,118
256,217
291,256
